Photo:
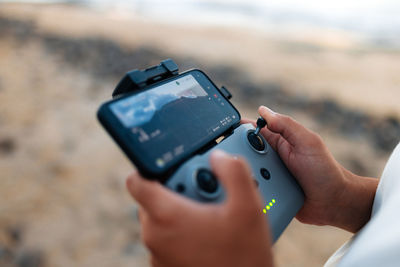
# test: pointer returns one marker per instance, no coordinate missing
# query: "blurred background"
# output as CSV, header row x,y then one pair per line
x,y
334,66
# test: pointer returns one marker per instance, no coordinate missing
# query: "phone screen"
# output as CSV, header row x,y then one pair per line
x,y
170,121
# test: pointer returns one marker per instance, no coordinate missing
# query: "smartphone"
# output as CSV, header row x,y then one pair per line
x,y
167,123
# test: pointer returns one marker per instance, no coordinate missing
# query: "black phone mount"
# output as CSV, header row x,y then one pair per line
x,y
139,79
135,80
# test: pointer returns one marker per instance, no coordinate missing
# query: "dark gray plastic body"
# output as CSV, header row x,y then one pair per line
x,y
282,187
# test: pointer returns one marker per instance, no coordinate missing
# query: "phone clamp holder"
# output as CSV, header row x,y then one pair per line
x,y
136,80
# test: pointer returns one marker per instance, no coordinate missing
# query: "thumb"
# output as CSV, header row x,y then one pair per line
x,y
235,175
288,128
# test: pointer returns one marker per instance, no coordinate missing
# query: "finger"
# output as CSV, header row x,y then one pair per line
x,y
140,213
155,262
235,175
153,197
142,189
289,129
276,141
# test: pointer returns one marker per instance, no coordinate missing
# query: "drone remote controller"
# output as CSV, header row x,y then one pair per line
x,y
281,194
168,123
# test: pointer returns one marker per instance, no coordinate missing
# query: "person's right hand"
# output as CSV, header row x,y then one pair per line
x,y
333,195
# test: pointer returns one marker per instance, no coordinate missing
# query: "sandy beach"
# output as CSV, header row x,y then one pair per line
x,y
64,201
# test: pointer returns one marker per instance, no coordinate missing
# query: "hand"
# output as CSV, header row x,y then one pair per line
x,y
333,195
181,232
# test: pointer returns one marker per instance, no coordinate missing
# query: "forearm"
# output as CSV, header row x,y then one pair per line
x,y
353,209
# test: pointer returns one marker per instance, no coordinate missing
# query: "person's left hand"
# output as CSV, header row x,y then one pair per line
x,y
181,232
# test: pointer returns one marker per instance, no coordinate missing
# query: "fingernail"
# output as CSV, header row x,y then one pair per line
x,y
131,178
264,108
218,154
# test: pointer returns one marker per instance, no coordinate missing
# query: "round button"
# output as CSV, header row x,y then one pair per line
x,y
206,181
265,173
180,188
256,141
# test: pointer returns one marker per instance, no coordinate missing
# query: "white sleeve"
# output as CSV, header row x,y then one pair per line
x,y
378,243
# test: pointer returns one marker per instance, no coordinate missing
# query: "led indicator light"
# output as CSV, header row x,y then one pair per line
x,y
269,205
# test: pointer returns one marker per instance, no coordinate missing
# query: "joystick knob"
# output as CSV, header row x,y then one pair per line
x,y
206,181
254,138
260,124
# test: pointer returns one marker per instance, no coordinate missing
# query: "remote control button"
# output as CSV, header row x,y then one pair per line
x,y
265,173
180,188
256,141
206,181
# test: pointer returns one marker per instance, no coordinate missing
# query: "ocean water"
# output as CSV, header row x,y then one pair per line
x,y
377,21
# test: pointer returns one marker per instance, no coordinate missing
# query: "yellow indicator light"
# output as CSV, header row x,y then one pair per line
x,y
269,205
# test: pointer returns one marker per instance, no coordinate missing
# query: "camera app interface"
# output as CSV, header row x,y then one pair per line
x,y
171,120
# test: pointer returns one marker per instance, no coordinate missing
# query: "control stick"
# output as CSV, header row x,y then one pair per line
x,y
255,140
260,124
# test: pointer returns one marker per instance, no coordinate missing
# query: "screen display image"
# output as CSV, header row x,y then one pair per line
x,y
168,121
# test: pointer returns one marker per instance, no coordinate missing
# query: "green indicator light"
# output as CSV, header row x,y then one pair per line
x,y
268,207
264,210
270,203
273,200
